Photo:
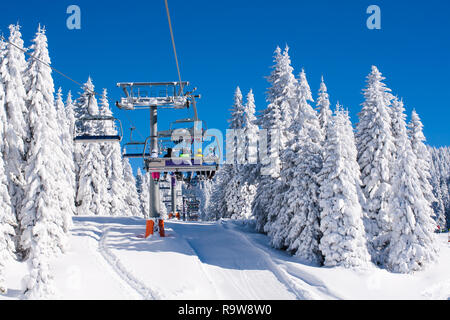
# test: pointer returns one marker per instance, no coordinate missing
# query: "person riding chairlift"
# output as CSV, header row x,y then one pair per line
x,y
155,175
199,156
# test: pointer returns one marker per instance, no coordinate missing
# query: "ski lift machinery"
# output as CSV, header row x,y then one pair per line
x,y
164,95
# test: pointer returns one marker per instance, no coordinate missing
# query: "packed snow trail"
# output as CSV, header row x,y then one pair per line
x,y
196,261
239,270
109,259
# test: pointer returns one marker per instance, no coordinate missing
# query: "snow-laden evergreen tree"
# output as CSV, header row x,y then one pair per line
x,y
343,240
323,104
70,113
217,206
67,161
235,156
12,68
413,244
205,198
7,219
92,196
375,145
282,91
251,133
113,163
132,201
139,178
277,119
144,196
241,189
423,157
293,222
440,178
76,148
44,221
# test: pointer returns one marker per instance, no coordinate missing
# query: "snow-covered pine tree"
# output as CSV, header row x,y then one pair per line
x,y
44,222
413,244
276,119
241,189
12,68
139,178
235,149
297,223
76,149
323,104
438,178
217,206
92,196
282,92
113,163
132,201
375,145
343,240
7,219
67,161
144,196
205,198
417,138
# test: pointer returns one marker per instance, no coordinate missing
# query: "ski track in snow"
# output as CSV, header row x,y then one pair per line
x,y
303,285
104,260
120,269
242,279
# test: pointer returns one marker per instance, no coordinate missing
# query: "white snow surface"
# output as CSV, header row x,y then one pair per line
x,y
109,259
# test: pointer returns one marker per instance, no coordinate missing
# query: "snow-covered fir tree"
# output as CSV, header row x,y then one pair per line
x,y
44,219
67,161
343,241
113,163
413,244
132,201
323,104
282,92
235,156
276,119
293,222
7,218
92,196
12,68
217,205
375,145
241,189
417,138
440,179
144,196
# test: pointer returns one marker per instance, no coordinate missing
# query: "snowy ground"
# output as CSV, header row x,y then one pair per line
x,y
222,260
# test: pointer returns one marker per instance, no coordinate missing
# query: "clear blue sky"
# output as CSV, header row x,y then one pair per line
x,y
222,44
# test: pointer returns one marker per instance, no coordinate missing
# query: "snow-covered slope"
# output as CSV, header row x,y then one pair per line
x,y
109,259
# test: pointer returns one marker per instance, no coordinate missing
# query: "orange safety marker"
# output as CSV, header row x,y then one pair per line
x,y
177,215
170,215
161,228
149,228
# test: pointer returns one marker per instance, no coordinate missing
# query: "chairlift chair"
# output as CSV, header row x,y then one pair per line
x,y
98,138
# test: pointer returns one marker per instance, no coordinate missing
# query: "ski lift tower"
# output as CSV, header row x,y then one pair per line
x,y
154,96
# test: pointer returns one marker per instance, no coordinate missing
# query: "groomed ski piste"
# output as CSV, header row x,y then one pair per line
x,y
109,259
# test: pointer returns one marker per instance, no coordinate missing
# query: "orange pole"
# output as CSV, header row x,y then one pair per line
x,y
161,228
149,228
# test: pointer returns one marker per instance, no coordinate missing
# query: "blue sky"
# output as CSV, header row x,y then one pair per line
x,y
222,44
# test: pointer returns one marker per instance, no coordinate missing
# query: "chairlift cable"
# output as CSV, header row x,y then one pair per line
x,y
173,44
46,64
90,92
